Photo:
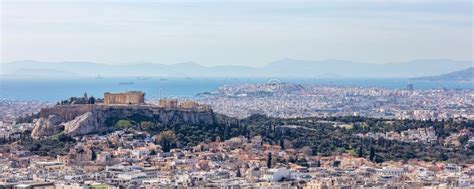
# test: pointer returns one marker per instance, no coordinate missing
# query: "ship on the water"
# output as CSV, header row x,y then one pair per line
x,y
143,78
125,83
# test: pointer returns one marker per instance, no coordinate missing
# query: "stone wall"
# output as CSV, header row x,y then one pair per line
x,y
168,103
124,98
193,106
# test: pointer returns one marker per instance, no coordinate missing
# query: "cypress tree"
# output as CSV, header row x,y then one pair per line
x,y
238,174
372,154
269,160
282,143
359,152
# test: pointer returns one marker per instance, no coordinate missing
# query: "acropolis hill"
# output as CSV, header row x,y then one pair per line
x,y
82,119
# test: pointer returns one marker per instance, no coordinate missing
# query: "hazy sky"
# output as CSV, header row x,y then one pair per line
x,y
236,32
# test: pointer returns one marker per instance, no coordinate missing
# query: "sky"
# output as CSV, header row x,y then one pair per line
x,y
249,33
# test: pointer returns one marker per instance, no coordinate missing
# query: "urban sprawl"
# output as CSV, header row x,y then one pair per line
x,y
131,158
293,100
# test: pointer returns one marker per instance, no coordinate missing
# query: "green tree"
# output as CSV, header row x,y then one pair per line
x,y
314,150
463,139
146,125
238,174
360,152
282,143
372,154
123,124
94,155
167,140
91,100
269,160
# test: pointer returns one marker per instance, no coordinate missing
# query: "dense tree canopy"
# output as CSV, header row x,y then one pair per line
x,y
319,135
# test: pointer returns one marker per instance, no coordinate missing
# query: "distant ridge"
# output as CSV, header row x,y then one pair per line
x,y
466,75
281,68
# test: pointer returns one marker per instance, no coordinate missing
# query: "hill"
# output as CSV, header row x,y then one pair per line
x,y
321,135
466,75
83,119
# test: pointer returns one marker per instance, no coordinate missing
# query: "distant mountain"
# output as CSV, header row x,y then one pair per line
x,y
466,75
90,69
344,68
281,68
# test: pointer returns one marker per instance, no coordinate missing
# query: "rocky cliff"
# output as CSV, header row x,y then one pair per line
x,y
76,120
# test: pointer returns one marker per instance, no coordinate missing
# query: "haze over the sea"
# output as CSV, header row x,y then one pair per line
x,y
54,90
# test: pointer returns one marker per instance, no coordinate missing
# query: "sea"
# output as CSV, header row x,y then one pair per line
x,y
54,90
